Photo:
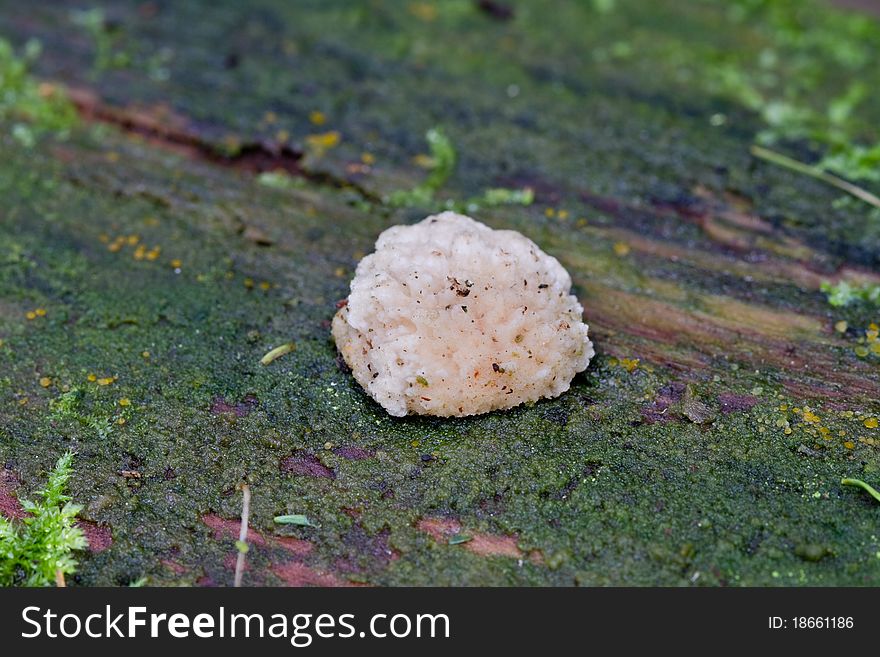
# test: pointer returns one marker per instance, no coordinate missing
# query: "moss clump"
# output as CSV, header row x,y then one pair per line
x,y
38,550
29,108
845,293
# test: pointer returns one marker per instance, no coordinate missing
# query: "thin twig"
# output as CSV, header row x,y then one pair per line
x,y
59,578
241,544
815,172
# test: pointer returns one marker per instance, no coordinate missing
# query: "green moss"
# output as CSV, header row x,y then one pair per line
x,y
628,478
845,293
37,550
27,109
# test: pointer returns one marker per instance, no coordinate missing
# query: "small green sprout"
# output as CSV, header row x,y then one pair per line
x,y
458,539
279,180
861,484
442,164
443,156
503,196
443,159
104,38
845,293
37,550
294,519
277,352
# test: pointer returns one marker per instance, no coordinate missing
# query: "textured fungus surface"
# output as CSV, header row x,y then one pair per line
x,y
152,257
451,318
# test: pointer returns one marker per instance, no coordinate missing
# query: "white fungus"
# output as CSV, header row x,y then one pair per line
x,y
450,317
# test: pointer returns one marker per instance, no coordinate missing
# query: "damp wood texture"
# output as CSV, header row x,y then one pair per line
x,y
186,187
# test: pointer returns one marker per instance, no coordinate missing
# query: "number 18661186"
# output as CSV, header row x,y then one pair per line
x,y
811,623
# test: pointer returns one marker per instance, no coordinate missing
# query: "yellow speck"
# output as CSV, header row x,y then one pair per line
x,y
339,272
841,326
270,117
621,249
120,421
871,336
849,444
563,214
549,213
317,118
232,142
265,285
104,238
176,263
424,11
783,407
30,314
46,90
140,252
873,327
810,417
322,141
871,422
92,377
787,431
424,161
145,354
125,401
629,364
106,381
861,351
368,158
45,382
132,240
282,136
23,401
249,283
153,253
582,222
114,247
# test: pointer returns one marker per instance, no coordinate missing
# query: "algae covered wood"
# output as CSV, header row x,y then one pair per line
x,y
187,186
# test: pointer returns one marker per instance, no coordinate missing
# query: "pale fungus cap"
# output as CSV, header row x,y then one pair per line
x,y
450,317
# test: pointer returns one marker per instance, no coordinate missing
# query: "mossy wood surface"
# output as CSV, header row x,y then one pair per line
x,y
146,267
